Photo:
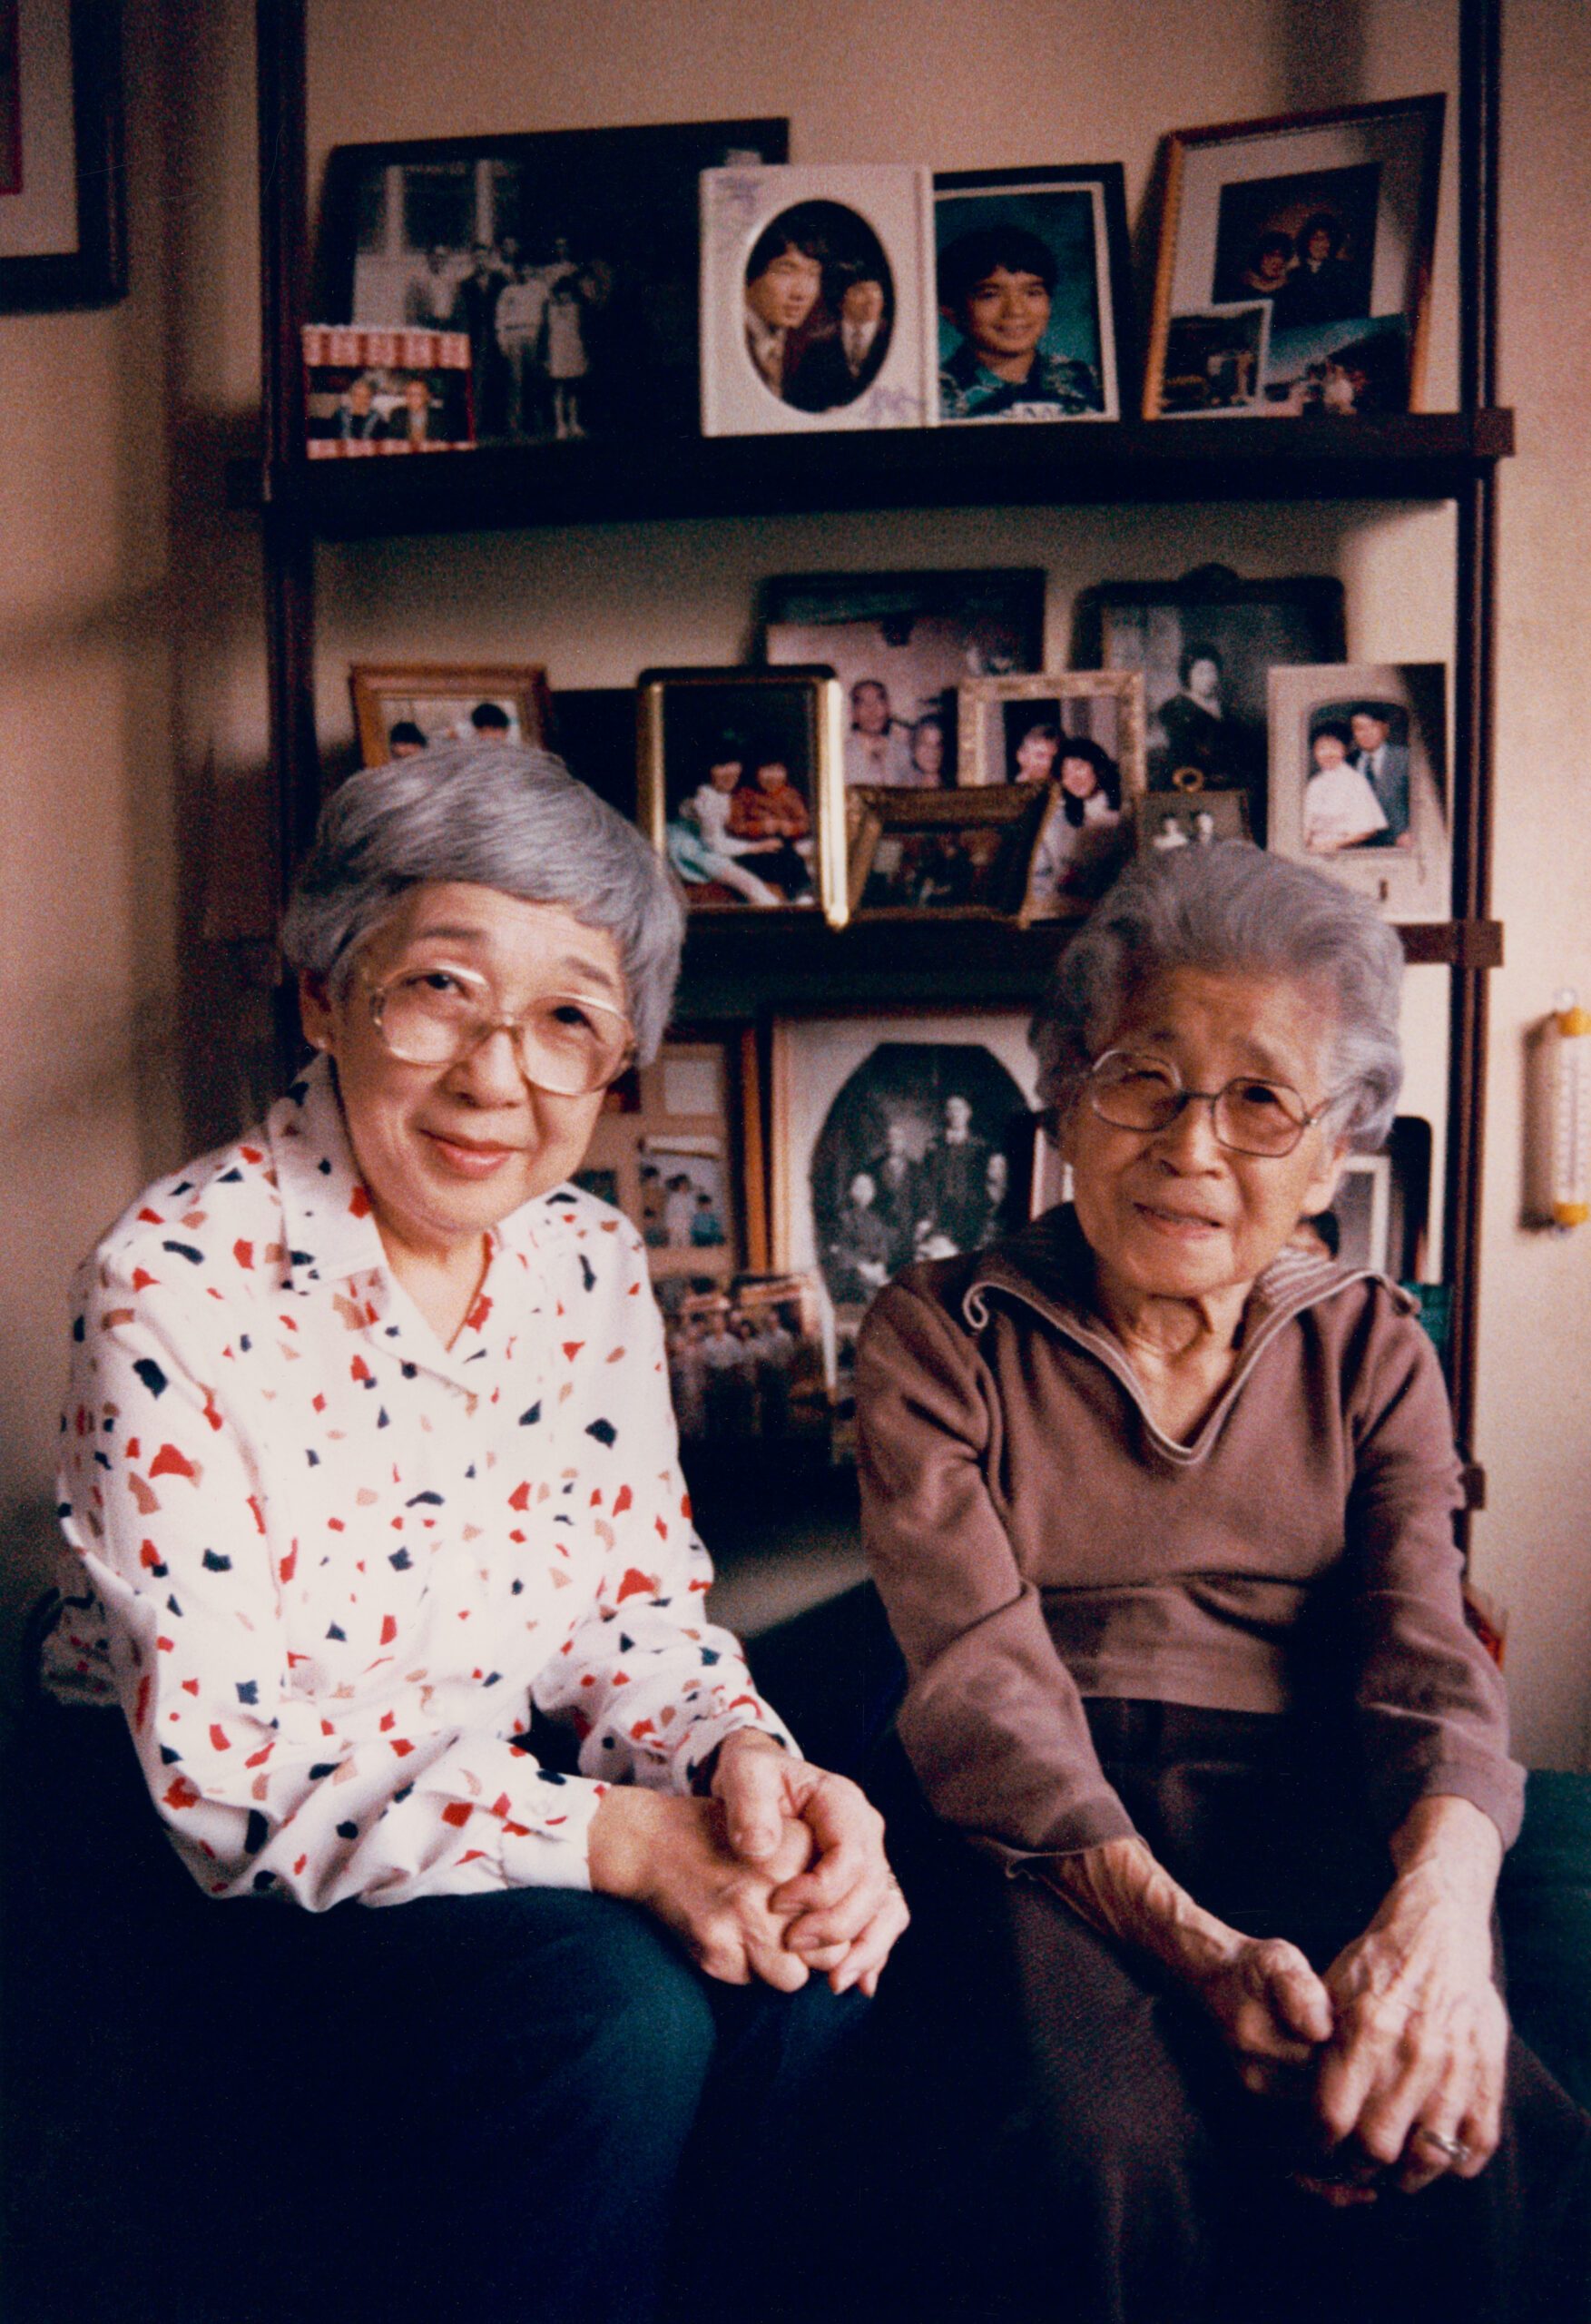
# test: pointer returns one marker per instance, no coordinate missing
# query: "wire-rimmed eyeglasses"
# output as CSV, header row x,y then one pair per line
x,y
1248,1114
569,1044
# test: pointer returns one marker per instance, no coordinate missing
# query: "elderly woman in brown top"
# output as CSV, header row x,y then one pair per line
x,y
1159,1505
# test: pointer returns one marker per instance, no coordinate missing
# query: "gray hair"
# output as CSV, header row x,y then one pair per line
x,y
1235,909
493,815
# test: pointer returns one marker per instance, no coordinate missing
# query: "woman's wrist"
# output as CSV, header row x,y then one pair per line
x,y
623,1840
1121,1889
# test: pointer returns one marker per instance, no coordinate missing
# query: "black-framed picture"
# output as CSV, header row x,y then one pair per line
x,y
815,298
1032,289
63,178
896,1135
1206,645
748,1366
568,258
740,786
1295,264
1359,780
900,643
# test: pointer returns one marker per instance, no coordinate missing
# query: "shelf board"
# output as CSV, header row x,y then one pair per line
x,y
735,962
1403,456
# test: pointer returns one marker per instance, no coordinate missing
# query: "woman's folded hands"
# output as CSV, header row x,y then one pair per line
x,y
780,1872
1395,2053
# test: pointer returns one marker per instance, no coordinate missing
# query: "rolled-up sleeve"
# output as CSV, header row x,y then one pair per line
x,y
992,1722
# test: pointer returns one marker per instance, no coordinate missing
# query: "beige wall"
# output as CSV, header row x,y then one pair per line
x,y
130,687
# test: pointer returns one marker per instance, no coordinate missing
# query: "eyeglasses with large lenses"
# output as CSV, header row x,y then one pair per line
x,y
1250,1116
566,1043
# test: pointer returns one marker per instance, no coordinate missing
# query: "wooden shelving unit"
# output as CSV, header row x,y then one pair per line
x,y
732,967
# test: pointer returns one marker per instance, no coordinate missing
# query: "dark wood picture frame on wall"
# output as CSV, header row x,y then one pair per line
x,y
81,259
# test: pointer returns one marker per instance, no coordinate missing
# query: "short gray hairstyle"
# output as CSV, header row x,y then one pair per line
x,y
493,815
1233,908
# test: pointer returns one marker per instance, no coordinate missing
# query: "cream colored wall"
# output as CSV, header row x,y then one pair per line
x,y
154,592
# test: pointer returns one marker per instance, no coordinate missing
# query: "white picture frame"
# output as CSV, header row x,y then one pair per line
x,y
848,227
1405,866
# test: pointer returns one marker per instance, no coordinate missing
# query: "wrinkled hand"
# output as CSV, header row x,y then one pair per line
x,y
1273,2011
1421,2037
673,1855
846,1911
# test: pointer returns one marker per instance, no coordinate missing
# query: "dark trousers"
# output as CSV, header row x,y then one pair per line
x,y
525,2104
1079,2128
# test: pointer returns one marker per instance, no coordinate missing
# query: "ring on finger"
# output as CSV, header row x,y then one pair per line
x,y
1450,2150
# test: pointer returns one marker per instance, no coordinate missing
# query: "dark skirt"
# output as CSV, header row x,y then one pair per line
x,y
1081,2147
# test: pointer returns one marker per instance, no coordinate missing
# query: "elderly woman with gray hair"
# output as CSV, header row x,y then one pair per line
x,y
382,1548
1160,1505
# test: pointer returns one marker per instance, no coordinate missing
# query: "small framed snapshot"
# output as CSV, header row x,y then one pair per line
x,y
959,853
1049,1177
900,643
1380,1215
1359,780
1322,226
401,708
1174,819
815,298
747,1363
568,259
1032,290
369,393
1204,646
740,786
62,174
677,1155
896,1137
1018,730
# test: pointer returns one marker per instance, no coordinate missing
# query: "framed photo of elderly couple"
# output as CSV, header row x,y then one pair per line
x,y
1295,265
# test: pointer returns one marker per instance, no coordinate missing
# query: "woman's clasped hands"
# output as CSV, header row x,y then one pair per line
x,y
779,1872
1400,2047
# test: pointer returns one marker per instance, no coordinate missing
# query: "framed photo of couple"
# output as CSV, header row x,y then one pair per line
x,y
1295,263
1358,780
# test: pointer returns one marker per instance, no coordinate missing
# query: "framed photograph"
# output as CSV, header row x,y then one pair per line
x,y
1049,1178
1020,731
815,298
746,1363
739,787
679,1151
1359,780
568,259
1320,225
896,1137
1032,287
1204,646
401,708
900,643
1357,1230
1174,819
959,853
1215,362
63,176
369,393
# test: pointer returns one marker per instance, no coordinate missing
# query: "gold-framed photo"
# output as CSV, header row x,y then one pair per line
x,y
401,708
741,786
959,854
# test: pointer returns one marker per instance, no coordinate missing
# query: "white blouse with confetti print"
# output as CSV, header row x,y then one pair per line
x,y
332,1566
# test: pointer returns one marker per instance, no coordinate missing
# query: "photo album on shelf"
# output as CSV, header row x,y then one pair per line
x,y
910,747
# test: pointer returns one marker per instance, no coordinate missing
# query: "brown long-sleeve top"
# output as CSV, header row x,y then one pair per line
x,y
1036,1539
